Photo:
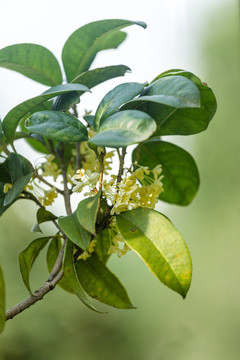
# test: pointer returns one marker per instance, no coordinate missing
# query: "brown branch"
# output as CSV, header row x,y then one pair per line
x,y
38,295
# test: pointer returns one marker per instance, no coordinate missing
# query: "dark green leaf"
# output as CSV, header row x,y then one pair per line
x,y
66,101
21,171
33,61
153,237
124,128
90,120
100,283
83,45
72,278
181,177
42,217
58,126
114,99
52,254
97,76
103,244
87,212
180,121
13,117
28,256
74,231
2,301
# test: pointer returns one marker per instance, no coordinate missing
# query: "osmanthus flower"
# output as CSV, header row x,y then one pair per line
x,y
48,197
50,168
84,178
141,189
87,253
7,187
118,245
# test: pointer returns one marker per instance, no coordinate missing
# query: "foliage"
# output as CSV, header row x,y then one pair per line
x,y
115,212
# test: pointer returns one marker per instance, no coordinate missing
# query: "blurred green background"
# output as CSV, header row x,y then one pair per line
x,y
163,327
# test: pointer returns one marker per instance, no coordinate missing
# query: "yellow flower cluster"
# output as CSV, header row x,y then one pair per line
x,y
48,197
130,194
90,250
84,178
50,168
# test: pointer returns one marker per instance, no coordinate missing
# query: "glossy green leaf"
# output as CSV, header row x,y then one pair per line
x,y
100,283
181,177
43,216
153,237
37,142
28,256
97,76
87,212
21,171
180,121
74,230
13,117
2,301
57,126
52,254
124,128
71,277
33,61
66,101
83,45
90,120
103,244
114,99
175,91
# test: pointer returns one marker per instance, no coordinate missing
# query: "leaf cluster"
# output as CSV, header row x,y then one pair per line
x,y
175,102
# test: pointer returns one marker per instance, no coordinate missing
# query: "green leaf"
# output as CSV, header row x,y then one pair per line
x,y
175,91
180,121
114,99
83,45
87,212
97,76
57,126
153,237
42,217
2,301
13,117
90,120
28,256
100,283
66,101
74,230
181,177
21,171
124,128
72,278
52,254
33,61
103,244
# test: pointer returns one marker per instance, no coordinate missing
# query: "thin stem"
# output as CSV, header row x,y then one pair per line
x,y
121,164
66,192
41,178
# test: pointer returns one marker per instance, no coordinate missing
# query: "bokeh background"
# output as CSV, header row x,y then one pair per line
x,y
200,36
